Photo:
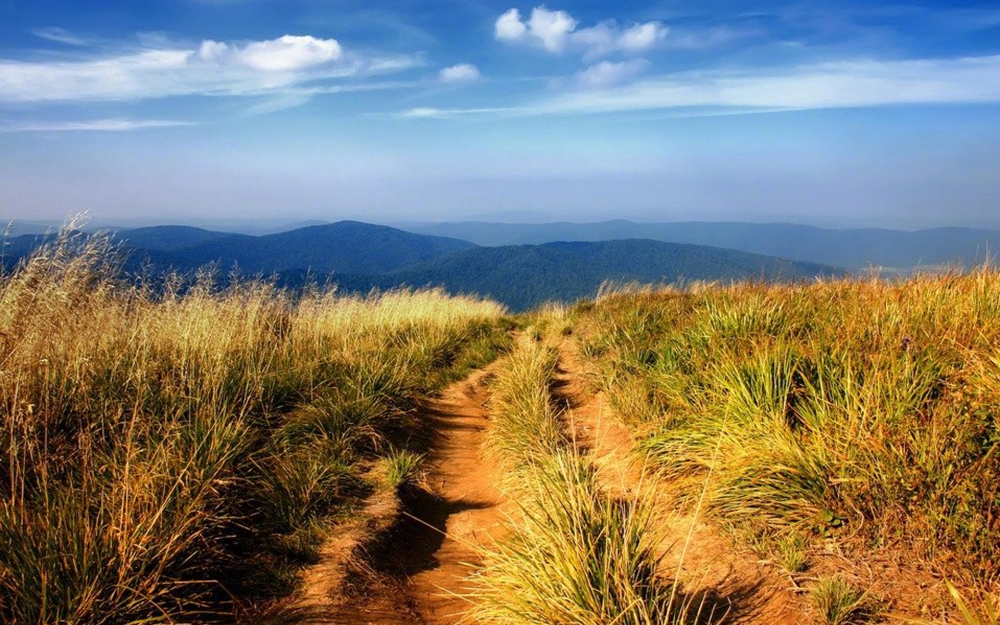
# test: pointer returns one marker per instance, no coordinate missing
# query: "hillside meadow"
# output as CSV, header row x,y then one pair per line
x,y
178,454
856,417
179,451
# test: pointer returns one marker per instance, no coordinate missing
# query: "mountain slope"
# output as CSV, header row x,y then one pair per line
x,y
526,275
343,247
359,257
856,249
14,248
168,238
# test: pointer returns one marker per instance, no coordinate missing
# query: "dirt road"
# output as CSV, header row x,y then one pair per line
x,y
427,539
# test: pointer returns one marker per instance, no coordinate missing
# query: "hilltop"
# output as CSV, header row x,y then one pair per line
x,y
342,247
764,453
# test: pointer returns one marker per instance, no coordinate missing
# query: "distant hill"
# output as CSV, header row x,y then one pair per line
x,y
855,249
359,257
168,238
343,247
13,248
526,275
19,227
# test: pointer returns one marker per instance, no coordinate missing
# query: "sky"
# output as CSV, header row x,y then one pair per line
x,y
838,113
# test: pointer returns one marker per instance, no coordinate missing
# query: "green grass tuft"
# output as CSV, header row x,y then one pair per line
x,y
838,602
402,468
854,408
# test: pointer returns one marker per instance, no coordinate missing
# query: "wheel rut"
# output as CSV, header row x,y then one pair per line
x,y
693,550
462,507
405,561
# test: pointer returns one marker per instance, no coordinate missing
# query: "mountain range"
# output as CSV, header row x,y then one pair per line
x,y
358,257
857,249
344,247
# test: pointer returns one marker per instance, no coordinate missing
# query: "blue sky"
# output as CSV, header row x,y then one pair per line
x,y
831,113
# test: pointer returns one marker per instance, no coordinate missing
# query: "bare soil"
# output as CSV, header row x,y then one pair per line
x,y
405,559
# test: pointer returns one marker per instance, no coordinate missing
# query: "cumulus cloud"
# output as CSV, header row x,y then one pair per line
x,y
211,68
551,28
557,31
607,73
463,72
642,36
509,26
288,53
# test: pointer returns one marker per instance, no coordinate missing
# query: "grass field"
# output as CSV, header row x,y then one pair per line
x,y
155,438
177,452
859,411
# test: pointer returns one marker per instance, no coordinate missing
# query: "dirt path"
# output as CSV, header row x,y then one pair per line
x,y
414,573
462,482
707,561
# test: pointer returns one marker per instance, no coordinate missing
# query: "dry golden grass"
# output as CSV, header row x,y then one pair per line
x,y
574,553
851,408
154,438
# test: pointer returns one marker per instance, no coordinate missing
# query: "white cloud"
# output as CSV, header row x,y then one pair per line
x,y
463,72
288,53
103,125
607,73
213,51
436,113
296,96
422,112
844,84
597,40
714,37
556,31
60,35
509,26
642,36
551,28
211,68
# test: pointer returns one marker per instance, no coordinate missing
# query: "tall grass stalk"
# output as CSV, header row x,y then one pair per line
x,y
525,427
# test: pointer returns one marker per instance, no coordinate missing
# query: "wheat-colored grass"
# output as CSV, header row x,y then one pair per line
x,y
154,437
845,408
573,553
